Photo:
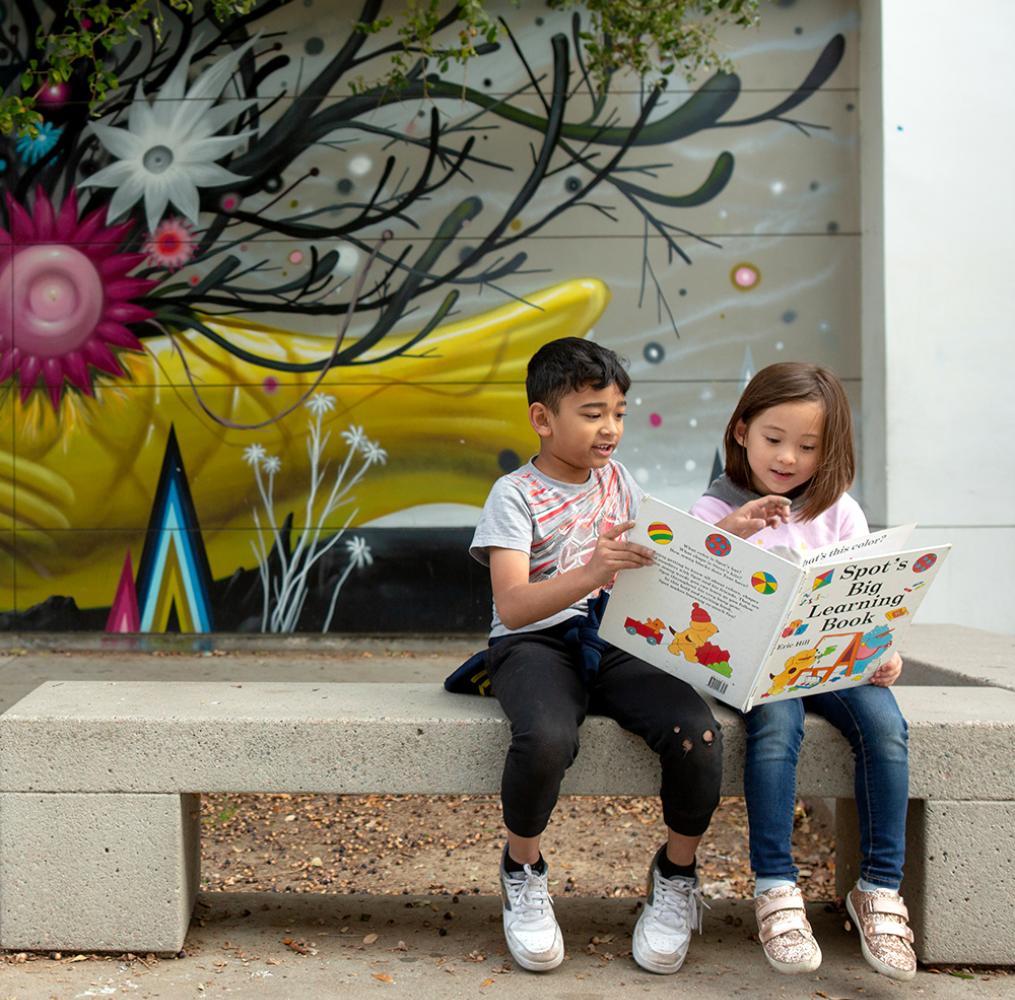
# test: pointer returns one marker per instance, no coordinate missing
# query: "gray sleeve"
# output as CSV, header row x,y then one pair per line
x,y
505,523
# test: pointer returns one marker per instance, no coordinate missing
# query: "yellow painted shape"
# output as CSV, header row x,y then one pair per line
x,y
443,414
172,590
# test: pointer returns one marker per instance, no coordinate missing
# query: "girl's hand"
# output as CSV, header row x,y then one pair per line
x,y
612,555
888,673
765,512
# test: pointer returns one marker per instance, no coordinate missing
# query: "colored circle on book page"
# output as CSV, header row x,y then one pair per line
x,y
764,583
660,533
924,563
718,545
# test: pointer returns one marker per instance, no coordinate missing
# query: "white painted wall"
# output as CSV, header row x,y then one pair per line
x,y
938,311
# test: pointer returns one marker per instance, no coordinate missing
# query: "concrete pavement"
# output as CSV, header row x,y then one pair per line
x,y
436,949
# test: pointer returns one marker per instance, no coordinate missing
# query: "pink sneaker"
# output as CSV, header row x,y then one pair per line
x,y
785,932
881,918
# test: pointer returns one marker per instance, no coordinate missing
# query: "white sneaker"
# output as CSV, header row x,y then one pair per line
x,y
663,932
533,936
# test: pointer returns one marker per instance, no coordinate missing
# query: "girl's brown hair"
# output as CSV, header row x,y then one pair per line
x,y
789,382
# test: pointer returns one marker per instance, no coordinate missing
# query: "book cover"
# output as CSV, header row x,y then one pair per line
x,y
747,624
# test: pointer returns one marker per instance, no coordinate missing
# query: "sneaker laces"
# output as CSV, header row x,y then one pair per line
x,y
679,904
530,896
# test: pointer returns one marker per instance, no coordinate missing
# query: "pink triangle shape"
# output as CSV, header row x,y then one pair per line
x,y
124,615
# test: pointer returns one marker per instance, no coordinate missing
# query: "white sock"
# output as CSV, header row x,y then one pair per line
x,y
864,886
764,884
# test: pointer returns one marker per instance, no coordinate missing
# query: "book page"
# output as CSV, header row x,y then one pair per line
x,y
708,607
846,621
874,544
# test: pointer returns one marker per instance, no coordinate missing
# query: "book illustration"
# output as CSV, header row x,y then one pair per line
x,y
924,563
813,667
764,583
795,627
693,643
660,533
823,580
718,545
795,666
651,629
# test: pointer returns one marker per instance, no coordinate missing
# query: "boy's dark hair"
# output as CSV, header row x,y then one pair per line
x,y
571,364
788,382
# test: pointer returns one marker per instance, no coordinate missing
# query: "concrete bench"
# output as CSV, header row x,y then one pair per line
x,y
99,786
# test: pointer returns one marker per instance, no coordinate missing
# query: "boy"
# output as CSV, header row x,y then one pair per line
x,y
552,535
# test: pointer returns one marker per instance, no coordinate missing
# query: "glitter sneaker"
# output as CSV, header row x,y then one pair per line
x,y
784,931
886,941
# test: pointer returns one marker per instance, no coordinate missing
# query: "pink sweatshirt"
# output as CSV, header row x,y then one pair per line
x,y
842,521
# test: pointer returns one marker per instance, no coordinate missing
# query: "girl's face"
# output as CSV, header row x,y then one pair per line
x,y
783,445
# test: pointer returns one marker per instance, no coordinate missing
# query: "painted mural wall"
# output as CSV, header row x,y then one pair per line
x,y
263,338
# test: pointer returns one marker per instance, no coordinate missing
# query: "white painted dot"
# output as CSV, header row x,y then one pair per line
x,y
723,213
360,165
824,326
777,187
690,465
637,400
779,345
348,261
707,394
693,422
641,475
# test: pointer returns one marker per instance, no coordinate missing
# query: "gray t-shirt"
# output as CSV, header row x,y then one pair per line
x,y
556,523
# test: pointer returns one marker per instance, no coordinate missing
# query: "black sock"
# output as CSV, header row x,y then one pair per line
x,y
670,870
511,866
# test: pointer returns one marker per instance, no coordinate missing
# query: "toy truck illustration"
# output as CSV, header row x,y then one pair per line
x,y
651,629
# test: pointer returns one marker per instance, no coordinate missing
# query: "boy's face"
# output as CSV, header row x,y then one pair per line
x,y
582,435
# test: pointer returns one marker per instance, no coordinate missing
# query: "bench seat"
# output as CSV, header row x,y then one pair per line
x,y
99,786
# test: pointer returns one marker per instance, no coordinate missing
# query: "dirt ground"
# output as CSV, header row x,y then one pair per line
x,y
412,844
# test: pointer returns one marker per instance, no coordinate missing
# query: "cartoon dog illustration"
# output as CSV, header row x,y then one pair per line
x,y
696,635
797,664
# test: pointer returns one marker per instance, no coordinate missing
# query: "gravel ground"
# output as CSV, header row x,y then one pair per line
x,y
413,844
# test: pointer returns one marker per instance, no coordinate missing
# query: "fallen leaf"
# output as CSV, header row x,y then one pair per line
x,y
486,982
370,939
383,977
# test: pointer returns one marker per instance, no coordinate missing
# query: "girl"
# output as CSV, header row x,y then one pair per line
x,y
789,461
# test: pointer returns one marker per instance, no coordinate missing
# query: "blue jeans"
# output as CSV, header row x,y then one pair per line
x,y
870,719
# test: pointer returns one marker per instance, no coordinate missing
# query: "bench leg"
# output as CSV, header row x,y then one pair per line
x,y
97,872
961,858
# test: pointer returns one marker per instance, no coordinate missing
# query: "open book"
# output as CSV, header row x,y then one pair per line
x,y
749,625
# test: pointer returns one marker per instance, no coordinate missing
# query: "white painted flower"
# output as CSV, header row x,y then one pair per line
x,y
169,147
272,464
253,454
320,403
354,436
359,552
374,453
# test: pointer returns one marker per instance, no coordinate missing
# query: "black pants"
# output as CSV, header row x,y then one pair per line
x,y
536,680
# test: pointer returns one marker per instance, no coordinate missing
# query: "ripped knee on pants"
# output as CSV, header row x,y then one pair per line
x,y
707,737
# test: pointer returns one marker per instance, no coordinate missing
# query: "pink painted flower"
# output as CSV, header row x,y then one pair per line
x,y
65,287
172,244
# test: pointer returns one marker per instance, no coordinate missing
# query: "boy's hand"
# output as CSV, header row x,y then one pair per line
x,y
765,512
888,673
612,555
